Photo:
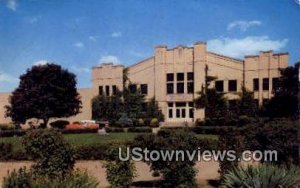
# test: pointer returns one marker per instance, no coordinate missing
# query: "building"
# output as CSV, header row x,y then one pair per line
x,y
175,76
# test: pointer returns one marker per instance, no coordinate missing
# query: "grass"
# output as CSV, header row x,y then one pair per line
x,y
80,139
92,138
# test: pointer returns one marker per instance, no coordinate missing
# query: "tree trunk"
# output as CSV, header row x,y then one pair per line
x,y
45,123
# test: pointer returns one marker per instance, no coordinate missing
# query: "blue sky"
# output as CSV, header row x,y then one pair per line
x,y
80,34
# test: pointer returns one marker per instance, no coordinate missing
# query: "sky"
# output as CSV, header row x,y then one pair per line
x,y
80,34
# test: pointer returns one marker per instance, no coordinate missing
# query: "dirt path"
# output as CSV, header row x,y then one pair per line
x,y
206,170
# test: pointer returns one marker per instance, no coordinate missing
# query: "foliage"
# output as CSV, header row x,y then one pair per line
x,y
120,173
11,133
24,178
45,91
285,100
124,121
154,122
5,150
153,110
60,124
18,179
139,130
246,104
53,154
262,176
133,102
107,107
179,173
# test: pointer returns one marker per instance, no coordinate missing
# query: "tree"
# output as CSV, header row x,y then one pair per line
x,y
247,104
153,110
45,91
285,100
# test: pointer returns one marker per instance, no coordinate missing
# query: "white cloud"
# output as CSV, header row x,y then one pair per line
x,y
243,25
40,62
12,4
79,45
80,69
93,38
33,19
8,78
109,59
136,53
116,34
245,46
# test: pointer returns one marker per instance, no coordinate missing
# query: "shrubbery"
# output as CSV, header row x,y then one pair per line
x,y
53,155
60,124
4,127
24,178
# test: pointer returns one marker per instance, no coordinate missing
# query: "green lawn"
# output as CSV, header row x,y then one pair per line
x,y
80,139
92,139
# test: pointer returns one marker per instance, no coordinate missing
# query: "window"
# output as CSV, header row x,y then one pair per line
x,y
255,84
232,85
190,87
180,87
180,76
183,113
191,113
275,83
178,113
144,89
107,90
170,88
190,82
170,113
190,76
170,104
219,85
180,104
266,84
170,77
100,90
132,88
114,89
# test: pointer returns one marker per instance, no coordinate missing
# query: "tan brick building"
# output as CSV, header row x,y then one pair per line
x,y
175,76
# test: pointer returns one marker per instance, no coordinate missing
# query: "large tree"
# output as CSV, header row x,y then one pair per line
x,y
45,91
285,100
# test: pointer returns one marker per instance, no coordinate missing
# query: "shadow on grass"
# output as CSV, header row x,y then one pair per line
x,y
147,184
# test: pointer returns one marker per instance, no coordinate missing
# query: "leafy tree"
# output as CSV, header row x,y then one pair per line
x,y
133,103
285,100
45,91
176,173
153,110
247,104
107,107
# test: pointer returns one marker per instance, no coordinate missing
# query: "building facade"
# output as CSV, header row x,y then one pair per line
x,y
175,76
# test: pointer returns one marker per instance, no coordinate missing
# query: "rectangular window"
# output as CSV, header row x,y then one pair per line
x,y
255,84
190,76
170,77
266,84
144,89
183,113
170,113
275,84
190,87
180,104
170,88
170,104
232,85
178,113
180,87
100,90
191,113
219,85
107,90
132,88
180,76
114,89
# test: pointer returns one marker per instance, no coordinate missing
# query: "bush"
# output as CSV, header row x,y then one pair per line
x,y
124,121
92,152
26,179
79,131
139,129
6,150
18,179
53,154
154,122
59,124
262,176
141,122
5,127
